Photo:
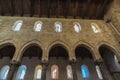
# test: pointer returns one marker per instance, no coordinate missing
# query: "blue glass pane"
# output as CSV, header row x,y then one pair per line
x,y
4,72
85,71
21,72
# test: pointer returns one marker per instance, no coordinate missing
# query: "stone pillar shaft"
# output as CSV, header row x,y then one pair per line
x,y
11,72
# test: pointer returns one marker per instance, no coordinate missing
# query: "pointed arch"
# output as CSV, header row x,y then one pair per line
x,y
110,57
62,44
27,45
87,46
113,48
7,48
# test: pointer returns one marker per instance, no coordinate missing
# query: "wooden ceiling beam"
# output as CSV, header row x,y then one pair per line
x,y
58,9
48,9
103,9
2,9
31,7
93,12
39,8
67,8
86,4
21,8
75,8
10,6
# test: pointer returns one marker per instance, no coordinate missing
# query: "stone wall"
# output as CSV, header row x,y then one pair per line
x,y
47,37
113,15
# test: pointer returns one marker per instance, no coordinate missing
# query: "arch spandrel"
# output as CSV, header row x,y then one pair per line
x,y
96,56
61,43
27,45
110,46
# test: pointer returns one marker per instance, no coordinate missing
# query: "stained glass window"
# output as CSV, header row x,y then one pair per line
x,y
38,26
58,26
77,27
95,27
54,72
69,72
21,72
99,72
85,72
38,72
4,72
17,25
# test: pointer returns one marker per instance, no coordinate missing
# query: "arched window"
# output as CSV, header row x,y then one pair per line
x,y
85,72
69,72
38,26
4,72
99,72
21,72
38,72
95,27
54,72
116,59
58,26
17,25
77,27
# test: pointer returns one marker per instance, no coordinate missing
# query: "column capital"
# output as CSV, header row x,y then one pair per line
x,y
14,62
72,61
98,61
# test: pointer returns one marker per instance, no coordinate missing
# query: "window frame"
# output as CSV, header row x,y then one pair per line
x,y
21,68
15,25
100,76
96,25
35,25
68,67
58,23
38,67
4,72
56,73
85,71
74,23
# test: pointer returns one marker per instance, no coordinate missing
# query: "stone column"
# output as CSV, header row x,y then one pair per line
x,y
44,65
73,65
13,66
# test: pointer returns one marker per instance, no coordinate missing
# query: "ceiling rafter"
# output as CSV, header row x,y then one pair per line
x,y
90,9
10,6
21,9
48,9
2,9
39,8
31,7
